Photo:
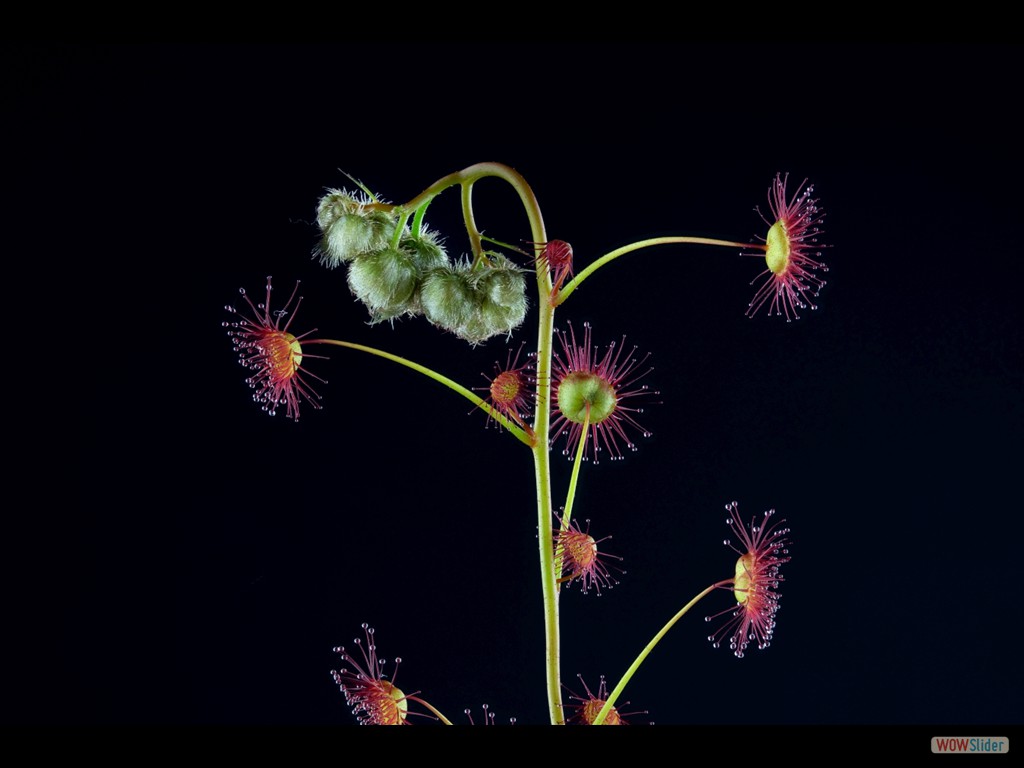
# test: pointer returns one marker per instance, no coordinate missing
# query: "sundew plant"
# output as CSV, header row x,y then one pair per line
x,y
578,392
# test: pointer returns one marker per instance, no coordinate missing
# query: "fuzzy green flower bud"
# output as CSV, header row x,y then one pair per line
x,y
427,254
385,281
504,284
478,328
500,296
476,304
349,228
489,320
426,251
448,297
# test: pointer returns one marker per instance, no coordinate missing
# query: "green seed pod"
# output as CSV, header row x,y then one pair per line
x,y
385,282
448,297
427,254
475,304
503,301
505,285
349,229
491,319
426,250
336,203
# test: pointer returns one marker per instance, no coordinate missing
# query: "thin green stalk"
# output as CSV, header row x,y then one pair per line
x,y
541,447
571,495
417,219
573,284
617,691
478,401
542,472
542,418
488,239
541,428
580,451
400,229
470,221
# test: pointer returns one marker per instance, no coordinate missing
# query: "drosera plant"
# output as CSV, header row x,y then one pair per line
x,y
593,396
374,699
578,558
510,391
585,709
567,392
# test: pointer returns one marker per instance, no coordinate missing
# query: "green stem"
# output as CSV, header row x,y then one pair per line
x,y
400,229
417,219
541,426
571,495
508,246
470,221
617,691
573,284
542,418
542,472
478,401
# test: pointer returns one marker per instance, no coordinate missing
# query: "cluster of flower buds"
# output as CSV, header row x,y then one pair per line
x,y
476,301
401,273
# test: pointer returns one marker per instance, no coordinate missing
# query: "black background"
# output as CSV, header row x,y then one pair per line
x,y
183,559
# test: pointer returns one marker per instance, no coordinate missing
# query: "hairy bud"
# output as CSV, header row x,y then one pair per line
x,y
476,303
504,290
447,296
351,229
385,281
427,254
